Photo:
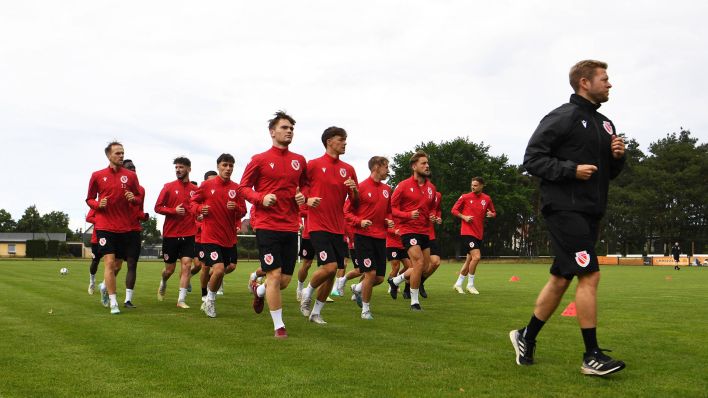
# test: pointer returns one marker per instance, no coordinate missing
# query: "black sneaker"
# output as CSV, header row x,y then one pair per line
x,y
394,289
407,292
598,364
524,348
416,307
128,304
422,291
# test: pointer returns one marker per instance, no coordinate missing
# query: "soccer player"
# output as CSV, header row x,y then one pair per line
x,y
370,219
218,202
395,253
135,243
676,253
472,208
178,230
114,193
199,249
331,181
272,183
413,203
575,152
95,256
307,254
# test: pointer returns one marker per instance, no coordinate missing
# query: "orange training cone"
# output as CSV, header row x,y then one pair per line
x,y
514,279
570,310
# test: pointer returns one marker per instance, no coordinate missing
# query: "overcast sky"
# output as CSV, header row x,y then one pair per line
x,y
171,78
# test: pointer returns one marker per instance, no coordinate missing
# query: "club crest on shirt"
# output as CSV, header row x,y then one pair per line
x,y
102,241
323,255
232,193
367,262
582,258
268,259
483,202
214,256
413,241
124,179
343,172
394,254
272,165
608,127
191,193
295,164
385,194
430,191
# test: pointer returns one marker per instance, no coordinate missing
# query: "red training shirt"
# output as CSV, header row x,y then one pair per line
x,y
326,176
475,205
219,226
409,196
119,214
374,205
173,194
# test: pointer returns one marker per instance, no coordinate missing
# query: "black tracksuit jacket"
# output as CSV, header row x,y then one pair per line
x,y
572,134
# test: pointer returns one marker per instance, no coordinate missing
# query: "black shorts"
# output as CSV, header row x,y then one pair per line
x,y
410,240
174,249
113,243
470,243
395,253
134,245
329,248
215,254
94,252
573,236
277,249
352,255
371,254
306,250
434,248
199,251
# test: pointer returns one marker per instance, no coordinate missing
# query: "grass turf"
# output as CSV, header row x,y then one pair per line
x,y
59,341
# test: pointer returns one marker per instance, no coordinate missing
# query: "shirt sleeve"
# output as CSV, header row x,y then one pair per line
x,y
396,203
161,204
91,200
539,159
457,207
248,181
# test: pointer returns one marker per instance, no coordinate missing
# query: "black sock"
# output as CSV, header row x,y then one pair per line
x,y
204,291
590,339
533,328
422,279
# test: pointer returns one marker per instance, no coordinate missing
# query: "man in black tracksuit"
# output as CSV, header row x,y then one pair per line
x,y
575,151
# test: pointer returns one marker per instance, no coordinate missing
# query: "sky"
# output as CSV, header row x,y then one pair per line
x,y
196,79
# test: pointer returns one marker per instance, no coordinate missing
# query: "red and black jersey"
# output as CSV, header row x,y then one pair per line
x,y
218,226
280,172
393,240
374,205
139,213
91,219
409,196
438,213
475,205
326,176
174,194
119,214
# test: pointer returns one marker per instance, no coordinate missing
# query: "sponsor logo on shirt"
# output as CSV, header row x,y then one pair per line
x,y
124,179
324,169
232,193
367,262
212,191
323,255
272,165
585,123
268,259
608,127
295,164
343,172
214,256
582,258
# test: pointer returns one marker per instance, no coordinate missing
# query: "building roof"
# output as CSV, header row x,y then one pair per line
x,y
21,237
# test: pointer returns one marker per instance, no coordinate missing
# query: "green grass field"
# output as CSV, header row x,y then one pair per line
x,y
59,341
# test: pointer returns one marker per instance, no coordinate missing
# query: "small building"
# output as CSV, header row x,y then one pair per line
x,y
14,244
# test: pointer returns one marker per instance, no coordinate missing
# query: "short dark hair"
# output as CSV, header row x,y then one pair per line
x,y
225,157
209,174
279,116
584,69
377,161
331,132
128,161
478,179
110,145
183,161
417,155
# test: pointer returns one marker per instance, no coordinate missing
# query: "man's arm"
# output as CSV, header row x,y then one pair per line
x,y
539,158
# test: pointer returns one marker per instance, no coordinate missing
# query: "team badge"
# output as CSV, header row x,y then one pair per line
x,y
124,179
304,252
394,254
582,258
471,245
232,193
167,257
385,194
608,127
214,256
212,191
430,191
272,165
201,254
191,193
295,164
343,172
102,241
484,202
367,262
323,255
268,259
324,169
413,241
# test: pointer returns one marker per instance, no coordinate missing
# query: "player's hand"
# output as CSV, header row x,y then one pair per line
x,y
103,203
415,214
230,205
129,195
585,171
617,147
438,220
269,200
205,210
313,202
490,214
238,230
467,218
351,184
299,197
366,223
397,232
389,223
180,209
